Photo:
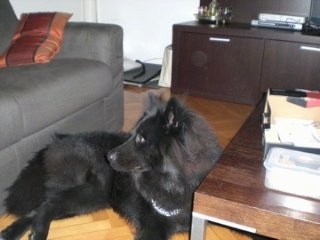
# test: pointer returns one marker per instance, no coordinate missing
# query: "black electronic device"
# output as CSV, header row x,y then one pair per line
x,y
143,75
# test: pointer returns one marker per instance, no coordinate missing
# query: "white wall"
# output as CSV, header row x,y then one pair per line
x,y
83,10
147,24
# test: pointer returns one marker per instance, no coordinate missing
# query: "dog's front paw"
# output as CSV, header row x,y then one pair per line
x,y
36,236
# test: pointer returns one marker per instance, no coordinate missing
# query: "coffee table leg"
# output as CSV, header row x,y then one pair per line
x,y
198,228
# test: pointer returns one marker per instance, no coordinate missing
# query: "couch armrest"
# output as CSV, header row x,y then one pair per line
x,y
98,41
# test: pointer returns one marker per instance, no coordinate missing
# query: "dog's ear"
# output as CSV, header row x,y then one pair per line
x,y
173,114
152,101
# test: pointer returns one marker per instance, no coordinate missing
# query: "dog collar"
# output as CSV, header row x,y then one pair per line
x,y
163,211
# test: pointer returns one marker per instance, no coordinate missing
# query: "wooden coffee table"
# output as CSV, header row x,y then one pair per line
x,y
233,194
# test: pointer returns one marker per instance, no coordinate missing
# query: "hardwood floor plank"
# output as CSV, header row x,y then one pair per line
x,y
120,233
79,229
211,233
226,233
84,219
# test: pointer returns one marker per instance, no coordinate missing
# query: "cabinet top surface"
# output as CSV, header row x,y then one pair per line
x,y
246,30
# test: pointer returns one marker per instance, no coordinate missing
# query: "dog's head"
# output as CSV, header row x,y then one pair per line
x,y
143,151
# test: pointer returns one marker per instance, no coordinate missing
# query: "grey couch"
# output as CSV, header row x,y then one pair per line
x,y
80,90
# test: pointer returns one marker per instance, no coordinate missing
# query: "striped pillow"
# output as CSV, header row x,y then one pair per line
x,y
37,39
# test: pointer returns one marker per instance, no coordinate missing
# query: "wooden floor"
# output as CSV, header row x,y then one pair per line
x,y
226,118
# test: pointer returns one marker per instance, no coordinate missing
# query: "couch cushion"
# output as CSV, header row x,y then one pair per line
x,y
10,120
46,93
8,23
37,39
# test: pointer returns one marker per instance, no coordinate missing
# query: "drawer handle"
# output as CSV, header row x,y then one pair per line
x,y
215,39
314,49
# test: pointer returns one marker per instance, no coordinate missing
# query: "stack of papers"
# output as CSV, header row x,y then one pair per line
x,y
298,132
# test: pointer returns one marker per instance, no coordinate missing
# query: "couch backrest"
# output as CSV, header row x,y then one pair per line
x,y
8,23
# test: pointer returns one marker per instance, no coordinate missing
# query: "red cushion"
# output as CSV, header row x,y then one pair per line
x,y
37,39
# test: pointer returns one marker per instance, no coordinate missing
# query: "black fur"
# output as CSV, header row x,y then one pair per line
x,y
154,172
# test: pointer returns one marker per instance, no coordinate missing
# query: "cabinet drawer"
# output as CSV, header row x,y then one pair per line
x,y
290,65
221,67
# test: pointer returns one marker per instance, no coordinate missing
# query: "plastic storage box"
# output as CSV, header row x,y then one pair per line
x,y
293,172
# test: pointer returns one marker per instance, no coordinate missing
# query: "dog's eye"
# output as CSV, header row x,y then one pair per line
x,y
140,139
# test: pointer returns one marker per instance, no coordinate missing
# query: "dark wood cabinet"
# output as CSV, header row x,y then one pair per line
x,y
237,62
290,65
221,66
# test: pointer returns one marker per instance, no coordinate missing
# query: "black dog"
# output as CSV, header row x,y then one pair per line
x,y
69,177
154,172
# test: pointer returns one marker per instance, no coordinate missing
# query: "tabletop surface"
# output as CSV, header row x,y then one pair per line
x,y
234,191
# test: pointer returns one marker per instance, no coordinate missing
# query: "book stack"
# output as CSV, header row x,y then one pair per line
x,y
279,21
309,99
